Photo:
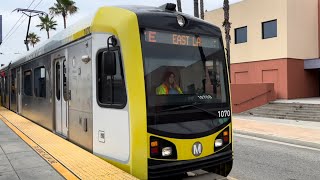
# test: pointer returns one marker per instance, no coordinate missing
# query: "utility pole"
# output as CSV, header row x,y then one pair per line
x,y
227,27
30,13
0,29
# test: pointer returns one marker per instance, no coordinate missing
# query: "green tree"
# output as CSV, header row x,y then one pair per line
x,y
33,38
227,26
64,8
47,24
196,8
201,9
179,5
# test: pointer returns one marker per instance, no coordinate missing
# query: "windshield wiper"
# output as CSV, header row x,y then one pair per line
x,y
190,105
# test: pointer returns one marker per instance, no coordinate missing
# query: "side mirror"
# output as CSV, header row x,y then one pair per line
x,y
108,63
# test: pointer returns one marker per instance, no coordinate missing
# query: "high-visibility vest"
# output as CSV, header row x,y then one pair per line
x,y
163,90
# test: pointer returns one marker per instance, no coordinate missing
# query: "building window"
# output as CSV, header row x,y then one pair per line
x,y
40,82
269,29
27,83
240,35
111,90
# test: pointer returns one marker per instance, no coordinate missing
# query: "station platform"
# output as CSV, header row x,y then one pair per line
x,y
28,151
20,161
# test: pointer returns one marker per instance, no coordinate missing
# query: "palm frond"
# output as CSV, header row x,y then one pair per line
x,y
63,8
47,23
33,38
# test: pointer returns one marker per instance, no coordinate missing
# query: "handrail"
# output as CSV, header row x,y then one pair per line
x,y
253,98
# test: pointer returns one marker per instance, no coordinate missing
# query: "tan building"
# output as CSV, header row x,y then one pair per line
x,y
275,41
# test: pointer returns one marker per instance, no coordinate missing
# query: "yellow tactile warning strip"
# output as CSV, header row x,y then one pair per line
x,y
68,159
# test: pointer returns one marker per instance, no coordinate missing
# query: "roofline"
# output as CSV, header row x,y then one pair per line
x,y
233,4
85,27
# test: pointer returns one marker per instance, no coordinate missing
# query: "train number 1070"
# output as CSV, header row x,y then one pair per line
x,y
224,113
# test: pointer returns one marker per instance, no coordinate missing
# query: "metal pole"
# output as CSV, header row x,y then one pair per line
x,y
30,13
26,41
227,26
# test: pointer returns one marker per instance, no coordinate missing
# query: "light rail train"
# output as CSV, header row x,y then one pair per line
x,y
145,88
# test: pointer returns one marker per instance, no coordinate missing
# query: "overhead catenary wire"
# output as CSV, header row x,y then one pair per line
x,y
17,22
21,22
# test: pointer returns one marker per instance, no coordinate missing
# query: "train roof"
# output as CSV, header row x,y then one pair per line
x,y
83,28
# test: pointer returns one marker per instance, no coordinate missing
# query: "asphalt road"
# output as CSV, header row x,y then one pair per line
x,y
259,159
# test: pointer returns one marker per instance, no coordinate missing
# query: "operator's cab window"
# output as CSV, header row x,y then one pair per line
x,y
111,91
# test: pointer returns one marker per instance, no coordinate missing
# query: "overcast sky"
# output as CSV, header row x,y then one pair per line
x,y
13,41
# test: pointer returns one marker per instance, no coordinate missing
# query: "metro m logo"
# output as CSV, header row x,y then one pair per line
x,y
197,149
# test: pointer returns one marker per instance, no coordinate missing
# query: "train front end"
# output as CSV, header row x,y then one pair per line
x,y
187,95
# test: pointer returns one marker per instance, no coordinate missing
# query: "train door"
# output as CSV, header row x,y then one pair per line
x,y
19,84
61,96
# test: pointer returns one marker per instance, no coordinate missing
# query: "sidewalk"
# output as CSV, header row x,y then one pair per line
x,y
315,100
19,161
290,131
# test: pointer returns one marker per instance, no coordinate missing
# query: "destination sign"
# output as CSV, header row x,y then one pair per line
x,y
181,39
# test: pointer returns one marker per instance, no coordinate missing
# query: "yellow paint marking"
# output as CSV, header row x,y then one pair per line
x,y
231,178
51,160
69,160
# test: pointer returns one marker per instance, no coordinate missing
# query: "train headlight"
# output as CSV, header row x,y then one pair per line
x,y
218,143
167,151
162,149
181,20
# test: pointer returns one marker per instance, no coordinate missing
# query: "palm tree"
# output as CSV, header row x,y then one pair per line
x,y
33,39
64,8
196,8
227,26
47,24
201,9
179,5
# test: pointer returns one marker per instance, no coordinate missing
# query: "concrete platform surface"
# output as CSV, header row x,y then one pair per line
x,y
18,161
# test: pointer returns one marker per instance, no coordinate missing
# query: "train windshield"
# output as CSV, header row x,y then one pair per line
x,y
183,73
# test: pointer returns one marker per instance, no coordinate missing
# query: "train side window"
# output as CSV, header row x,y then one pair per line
x,y
27,83
40,82
65,87
13,82
58,81
111,90
6,85
18,82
